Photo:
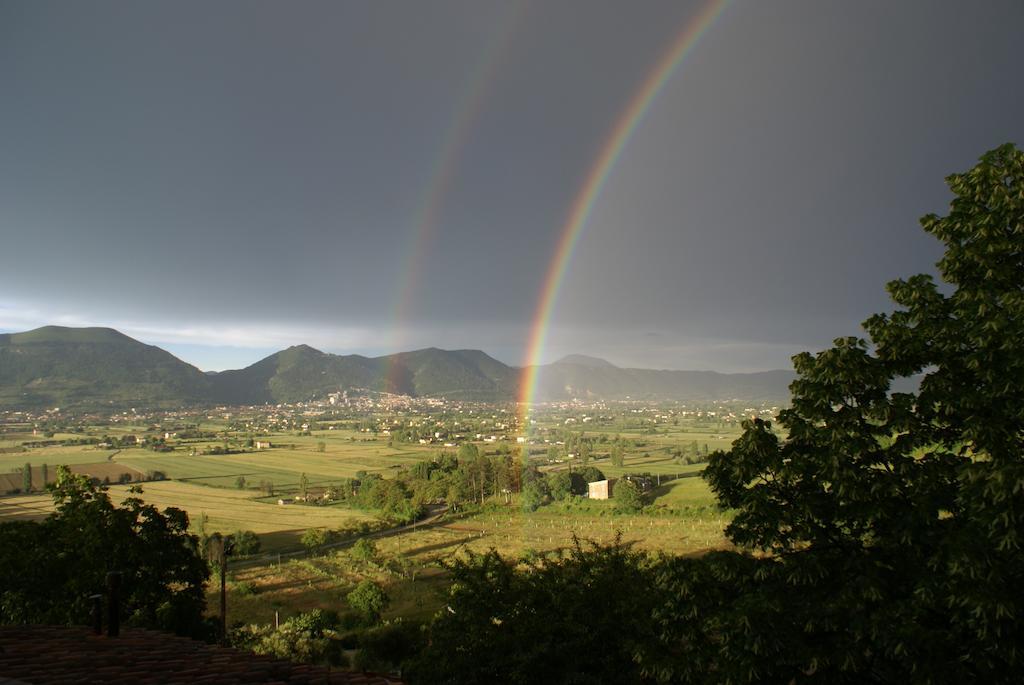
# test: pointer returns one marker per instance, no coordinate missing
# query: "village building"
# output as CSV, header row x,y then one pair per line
x,y
601,489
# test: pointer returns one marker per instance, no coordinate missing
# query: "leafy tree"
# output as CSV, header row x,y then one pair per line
x,y
369,599
574,620
308,638
387,647
321,446
49,569
560,485
364,549
314,538
617,455
585,449
240,482
535,494
591,474
245,542
26,478
45,472
627,496
887,524
303,483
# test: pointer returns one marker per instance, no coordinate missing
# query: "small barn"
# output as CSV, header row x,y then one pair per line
x,y
601,489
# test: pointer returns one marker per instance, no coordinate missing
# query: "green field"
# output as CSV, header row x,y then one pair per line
x,y
226,510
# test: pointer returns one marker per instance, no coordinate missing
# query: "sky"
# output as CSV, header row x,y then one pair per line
x,y
228,179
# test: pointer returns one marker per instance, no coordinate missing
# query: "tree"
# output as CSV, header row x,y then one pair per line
x,y
535,494
560,485
321,446
240,482
45,474
313,539
369,599
573,620
49,569
627,496
617,455
244,543
307,637
26,478
887,524
584,447
364,550
303,483
591,474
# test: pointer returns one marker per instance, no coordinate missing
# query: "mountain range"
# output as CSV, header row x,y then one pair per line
x,y
59,366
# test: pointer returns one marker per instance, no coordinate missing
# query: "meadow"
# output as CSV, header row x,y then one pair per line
x,y
680,516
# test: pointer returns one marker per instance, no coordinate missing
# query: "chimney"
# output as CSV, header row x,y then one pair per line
x,y
113,604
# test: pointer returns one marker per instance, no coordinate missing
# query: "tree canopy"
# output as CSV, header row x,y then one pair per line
x,y
49,569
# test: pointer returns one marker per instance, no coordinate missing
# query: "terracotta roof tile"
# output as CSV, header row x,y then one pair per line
x,y
67,655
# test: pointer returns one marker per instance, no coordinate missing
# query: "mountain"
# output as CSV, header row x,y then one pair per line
x,y
595,378
54,366
302,373
584,360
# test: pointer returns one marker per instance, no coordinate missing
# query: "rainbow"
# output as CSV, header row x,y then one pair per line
x,y
466,111
586,197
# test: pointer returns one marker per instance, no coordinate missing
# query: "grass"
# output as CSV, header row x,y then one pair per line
x,y
279,527
81,454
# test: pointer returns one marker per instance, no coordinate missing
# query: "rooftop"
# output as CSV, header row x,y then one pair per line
x,y
56,654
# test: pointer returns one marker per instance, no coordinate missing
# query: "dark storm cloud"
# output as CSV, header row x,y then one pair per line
x,y
248,174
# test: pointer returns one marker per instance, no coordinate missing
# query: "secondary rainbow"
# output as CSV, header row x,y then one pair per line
x,y
583,203
466,112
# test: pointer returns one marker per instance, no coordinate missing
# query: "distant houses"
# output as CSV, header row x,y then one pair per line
x,y
262,445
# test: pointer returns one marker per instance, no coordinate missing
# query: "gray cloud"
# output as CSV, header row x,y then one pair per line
x,y
247,175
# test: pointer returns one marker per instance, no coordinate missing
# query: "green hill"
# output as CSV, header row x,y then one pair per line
x,y
54,366
302,373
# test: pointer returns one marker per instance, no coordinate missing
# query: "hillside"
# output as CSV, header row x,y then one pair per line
x,y
588,377
302,373
54,365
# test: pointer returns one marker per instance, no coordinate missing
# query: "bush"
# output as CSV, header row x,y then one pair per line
x,y
369,599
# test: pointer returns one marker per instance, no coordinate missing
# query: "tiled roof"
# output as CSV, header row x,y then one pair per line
x,y
56,654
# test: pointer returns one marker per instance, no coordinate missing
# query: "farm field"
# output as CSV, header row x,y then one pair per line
x,y
227,511
410,564
282,466
79,454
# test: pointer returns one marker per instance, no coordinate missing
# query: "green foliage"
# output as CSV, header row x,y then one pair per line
x,y
591,474
49,569
307,638
891,520
617,455
535,494
627,496
244,543
369,599
364,549
574,620
388,647
314,538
